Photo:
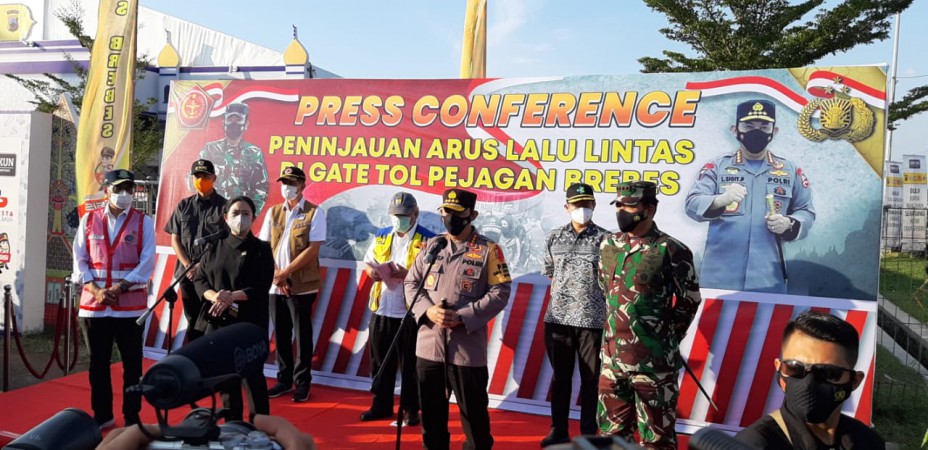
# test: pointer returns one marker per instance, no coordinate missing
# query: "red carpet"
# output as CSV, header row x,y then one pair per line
x,y
330,415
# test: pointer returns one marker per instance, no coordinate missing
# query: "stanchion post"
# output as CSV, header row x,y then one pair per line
x,y
68,301
7,334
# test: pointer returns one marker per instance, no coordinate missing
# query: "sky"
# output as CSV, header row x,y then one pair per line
x,y
526,38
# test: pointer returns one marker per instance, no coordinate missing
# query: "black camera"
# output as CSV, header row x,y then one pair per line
x,y
195,371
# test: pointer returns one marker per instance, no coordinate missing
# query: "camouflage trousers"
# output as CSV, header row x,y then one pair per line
x,y
645,400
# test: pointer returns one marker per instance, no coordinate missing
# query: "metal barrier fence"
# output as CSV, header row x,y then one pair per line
x,y
903,312
146,196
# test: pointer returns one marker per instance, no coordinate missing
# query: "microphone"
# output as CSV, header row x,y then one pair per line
x,y
221,234
194,371
440,243
712,439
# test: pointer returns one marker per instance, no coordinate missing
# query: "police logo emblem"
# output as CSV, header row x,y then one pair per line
x,y
841,116
130,238
779,190
777,206
466,285
193,110
430,281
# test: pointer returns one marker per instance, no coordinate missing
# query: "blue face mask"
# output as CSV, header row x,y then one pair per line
x,y
401,224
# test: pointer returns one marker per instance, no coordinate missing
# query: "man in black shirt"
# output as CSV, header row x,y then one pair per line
x,y
196,216
816,371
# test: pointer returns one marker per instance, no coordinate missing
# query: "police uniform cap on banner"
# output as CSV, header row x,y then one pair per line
x,y
757,110
108,151
118,176
402,203
630,193
458,200
237,108
202,166
292,173
579,192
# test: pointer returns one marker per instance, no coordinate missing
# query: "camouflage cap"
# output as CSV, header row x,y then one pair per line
x,y
403,203
632,192
579,192
237,108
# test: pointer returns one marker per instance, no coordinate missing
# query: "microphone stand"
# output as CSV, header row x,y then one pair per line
x,y
170,295
376,379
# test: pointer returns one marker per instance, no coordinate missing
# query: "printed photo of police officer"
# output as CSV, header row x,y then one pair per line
x,y
240,167
754,202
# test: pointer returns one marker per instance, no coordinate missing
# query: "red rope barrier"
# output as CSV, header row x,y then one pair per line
x,y
54,356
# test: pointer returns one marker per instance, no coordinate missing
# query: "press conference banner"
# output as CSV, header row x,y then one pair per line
x,y
519,143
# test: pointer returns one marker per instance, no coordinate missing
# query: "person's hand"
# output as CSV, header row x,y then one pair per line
x,y
284,432
224,296
280,280
778,223
445,318
192,273
400,272
105,296
130,437
734,193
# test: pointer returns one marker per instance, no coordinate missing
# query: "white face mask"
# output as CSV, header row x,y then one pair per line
x,y
240,225
401,224
121,200
288,192
581,215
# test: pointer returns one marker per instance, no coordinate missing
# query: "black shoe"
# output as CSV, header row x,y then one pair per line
x,y
412,419
301,394
279,389
555,437
372,414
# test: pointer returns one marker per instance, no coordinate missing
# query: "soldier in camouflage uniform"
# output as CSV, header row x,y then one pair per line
x,y
652,294
240,168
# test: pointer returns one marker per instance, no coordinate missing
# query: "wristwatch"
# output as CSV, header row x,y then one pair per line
x,y
123,286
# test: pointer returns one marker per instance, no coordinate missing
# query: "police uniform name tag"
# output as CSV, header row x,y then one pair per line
x,y
95,237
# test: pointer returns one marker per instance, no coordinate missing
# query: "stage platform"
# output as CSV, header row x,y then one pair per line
x,y
330,415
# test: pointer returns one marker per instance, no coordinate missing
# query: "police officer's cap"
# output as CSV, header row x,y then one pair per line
x,y
458,200
579,192
237,108
630,193
117,177
108,151
757,110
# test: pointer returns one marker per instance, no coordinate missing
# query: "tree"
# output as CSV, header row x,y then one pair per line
x,y
764,34
147,131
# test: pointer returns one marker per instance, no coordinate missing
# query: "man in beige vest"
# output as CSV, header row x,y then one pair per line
x,y
296,231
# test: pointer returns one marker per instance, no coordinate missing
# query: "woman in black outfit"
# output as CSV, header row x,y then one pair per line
x,y
234,280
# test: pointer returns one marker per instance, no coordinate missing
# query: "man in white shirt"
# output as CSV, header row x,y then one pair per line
x,y
296,230
114,256
394,249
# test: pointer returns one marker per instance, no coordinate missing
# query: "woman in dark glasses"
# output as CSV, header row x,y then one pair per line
x,y
816,373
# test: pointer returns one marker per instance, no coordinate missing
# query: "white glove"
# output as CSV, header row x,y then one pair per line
x,y
778,223
734,193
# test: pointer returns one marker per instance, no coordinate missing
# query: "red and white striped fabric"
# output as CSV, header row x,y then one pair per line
x,y
731,346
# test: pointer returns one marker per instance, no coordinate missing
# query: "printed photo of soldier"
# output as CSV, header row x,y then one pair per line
x,y
754,201
240,167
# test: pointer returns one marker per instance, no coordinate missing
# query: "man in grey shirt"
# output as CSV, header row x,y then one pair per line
x,y
576,313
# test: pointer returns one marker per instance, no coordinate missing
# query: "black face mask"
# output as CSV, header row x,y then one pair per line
x,y
755,141
234,130
628,220
812,400
454,224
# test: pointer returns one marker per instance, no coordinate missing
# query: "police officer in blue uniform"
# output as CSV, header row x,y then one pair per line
x,y
753,201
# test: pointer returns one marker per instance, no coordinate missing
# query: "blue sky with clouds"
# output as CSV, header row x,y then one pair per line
x,y
526,38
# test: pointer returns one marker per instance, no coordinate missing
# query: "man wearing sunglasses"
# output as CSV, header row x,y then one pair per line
x,y
816,372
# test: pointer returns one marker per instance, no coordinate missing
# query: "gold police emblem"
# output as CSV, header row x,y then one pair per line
x,y
840,117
